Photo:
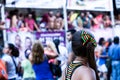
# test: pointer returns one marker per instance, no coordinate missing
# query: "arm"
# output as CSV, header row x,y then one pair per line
x,y
36,27
63,75
50,54
3,66
26,24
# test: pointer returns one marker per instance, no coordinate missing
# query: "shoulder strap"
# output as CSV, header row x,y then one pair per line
x,y
70,69
14,63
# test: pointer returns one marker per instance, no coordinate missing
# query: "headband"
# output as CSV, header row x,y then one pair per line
x,y
86,37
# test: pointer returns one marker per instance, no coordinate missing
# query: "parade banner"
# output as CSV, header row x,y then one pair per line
x,y
22,40
50,36
25,40
94,5
35,3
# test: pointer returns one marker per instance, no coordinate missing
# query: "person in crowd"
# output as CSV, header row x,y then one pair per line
x,y
70,33
79,23
86,21
23,27
101,58
70,25
59,16
107,22
40,62
63,53
3,70
108,61
51,22
14,21
58,24
50,49
30,23
44,22
11,63
20,20
84,66
114,54
28,72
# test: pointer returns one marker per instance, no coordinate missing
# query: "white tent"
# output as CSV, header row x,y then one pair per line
x,y
50,4
39,4
94,5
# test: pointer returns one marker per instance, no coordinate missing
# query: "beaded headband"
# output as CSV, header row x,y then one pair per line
x,y
86,37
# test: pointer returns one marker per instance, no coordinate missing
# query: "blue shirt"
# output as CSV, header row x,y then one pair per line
x,y
114,52
103,60
42,71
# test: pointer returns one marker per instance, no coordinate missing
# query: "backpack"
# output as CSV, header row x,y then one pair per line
x,y
3,73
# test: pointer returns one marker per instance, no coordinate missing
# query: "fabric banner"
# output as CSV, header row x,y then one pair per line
x,y
94,5
46,36
35,3
24,40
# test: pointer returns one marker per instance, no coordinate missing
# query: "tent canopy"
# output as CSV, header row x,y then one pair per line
x,y
94,5
35,3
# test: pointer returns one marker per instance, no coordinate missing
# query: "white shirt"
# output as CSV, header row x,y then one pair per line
x,y
63,56
11,70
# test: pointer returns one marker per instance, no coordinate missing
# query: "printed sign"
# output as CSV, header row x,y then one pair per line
x,y
96,5
46,36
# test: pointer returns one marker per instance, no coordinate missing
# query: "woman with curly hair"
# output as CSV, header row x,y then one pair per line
x,y
40,62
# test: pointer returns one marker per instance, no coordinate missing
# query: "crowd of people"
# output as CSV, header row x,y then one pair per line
x,y
54,21
82,54
51,21
81,59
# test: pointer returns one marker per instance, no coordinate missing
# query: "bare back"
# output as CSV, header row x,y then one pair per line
x,y
81,73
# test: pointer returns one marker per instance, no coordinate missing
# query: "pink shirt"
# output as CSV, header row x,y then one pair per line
x,y
30,23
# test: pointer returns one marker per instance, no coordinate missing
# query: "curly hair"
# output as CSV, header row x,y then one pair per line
x,y
37,52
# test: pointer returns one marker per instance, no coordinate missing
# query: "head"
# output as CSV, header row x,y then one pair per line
x,y
27,53
51,45
83,45
109,41
57,42
101,41
11,50
22,24
116,40
70,32
37,52
51,13
29,15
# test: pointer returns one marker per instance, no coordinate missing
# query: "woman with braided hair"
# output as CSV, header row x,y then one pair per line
x,y
83,67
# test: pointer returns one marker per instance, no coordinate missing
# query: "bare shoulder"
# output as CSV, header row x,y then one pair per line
x,y
86,73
